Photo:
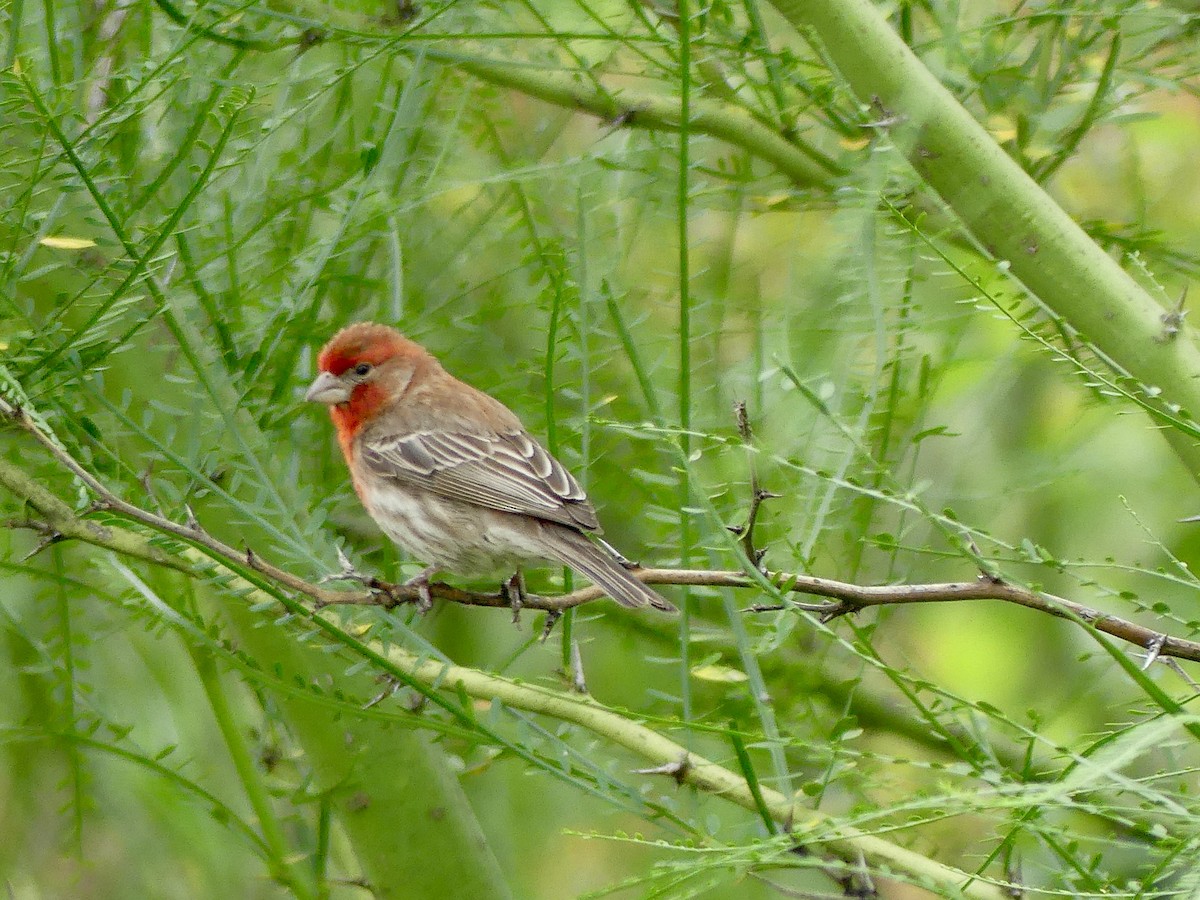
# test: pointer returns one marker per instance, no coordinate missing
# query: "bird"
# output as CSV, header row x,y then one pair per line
x,y
450,474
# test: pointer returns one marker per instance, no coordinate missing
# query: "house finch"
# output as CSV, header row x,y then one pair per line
x,y
450,474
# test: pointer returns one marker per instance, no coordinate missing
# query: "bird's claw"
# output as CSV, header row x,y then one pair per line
x,y
420,582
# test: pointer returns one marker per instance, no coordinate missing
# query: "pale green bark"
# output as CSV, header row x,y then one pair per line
x,y
1003,207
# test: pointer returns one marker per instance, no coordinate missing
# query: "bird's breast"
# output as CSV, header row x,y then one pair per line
x,y
455,536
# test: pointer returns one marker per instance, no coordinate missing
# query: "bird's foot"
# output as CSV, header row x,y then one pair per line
x,y
513,591
420,581
386,594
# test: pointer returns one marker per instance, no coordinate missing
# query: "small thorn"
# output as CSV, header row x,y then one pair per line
x,y
192,523
514,591
1153,649
251,559
1178,670
48,540
1015,878
678,769
620,120
742,419
577,680
347,572
391,686
552,616
858,883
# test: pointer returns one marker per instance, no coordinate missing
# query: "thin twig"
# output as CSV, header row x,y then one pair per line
x,y
842,598
757,494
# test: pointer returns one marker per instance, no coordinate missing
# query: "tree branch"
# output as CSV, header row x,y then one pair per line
x,y
807,825
844,598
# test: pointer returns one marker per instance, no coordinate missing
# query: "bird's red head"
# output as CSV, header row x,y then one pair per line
x,y
364,367
362,342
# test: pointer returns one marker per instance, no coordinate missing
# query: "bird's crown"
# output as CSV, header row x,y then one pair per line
x,y
362,342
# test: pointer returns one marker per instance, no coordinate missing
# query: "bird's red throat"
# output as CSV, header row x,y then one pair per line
x,y
348,418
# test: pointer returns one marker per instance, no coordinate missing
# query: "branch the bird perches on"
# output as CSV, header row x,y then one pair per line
x,y
842,598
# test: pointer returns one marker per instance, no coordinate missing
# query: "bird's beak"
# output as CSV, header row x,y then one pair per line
x,y
328,389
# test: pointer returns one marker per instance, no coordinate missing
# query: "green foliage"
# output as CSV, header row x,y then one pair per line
x,y
194,196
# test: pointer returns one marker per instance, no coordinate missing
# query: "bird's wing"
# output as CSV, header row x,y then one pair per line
x,y
508,472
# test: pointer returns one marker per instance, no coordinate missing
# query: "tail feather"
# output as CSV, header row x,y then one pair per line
x,y
605,571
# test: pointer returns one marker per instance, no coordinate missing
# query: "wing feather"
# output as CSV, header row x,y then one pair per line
x,y
508,472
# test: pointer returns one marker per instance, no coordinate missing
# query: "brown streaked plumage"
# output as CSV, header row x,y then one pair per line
x,y
449,473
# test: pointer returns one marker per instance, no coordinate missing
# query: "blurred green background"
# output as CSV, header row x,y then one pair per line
x,y
194,197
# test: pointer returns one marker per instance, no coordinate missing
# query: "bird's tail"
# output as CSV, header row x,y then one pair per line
x,y
604,570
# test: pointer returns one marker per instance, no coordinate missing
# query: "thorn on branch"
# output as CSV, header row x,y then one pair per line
x,y
578,683
885,118
621,119
858,883
1153,649
383,593
403,11
514,591
757,494
50,537
742,419
1014,877
984,574
765,607
309,38
1178,670
552,617
391,685
347,572
191,523
836,610
1173,320
678,769
146,481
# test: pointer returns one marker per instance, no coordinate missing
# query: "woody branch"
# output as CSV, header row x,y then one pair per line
x,y
841,598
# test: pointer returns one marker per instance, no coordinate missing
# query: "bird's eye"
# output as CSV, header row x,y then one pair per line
x,y
362,370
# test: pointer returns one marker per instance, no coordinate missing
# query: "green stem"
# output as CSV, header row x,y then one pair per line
x,y
376,780
1002,206
298,880
683,209
656,112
